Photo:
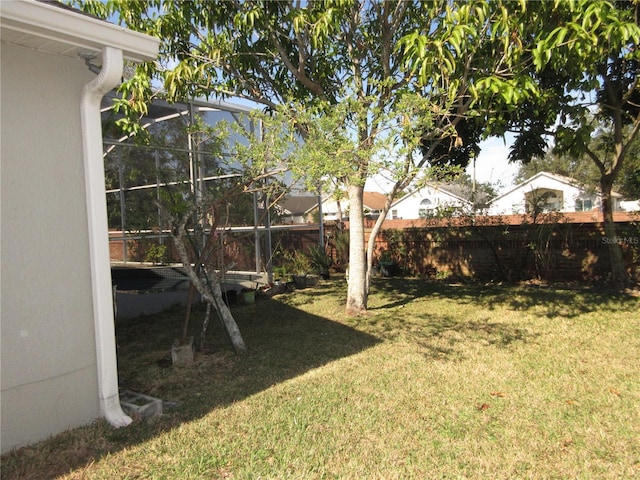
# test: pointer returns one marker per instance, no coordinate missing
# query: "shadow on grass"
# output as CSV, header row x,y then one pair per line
x,y
444,336
551,302
443,333
283,342
449,337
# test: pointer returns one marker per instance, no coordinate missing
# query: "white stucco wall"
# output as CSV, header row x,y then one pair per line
x,y
409,206
513,202
48,364
330,209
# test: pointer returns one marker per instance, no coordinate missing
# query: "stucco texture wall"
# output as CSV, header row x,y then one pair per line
x,y
48,364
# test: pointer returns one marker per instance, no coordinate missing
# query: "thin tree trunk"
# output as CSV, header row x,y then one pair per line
x,y
212,294
205,325
371,243
377,226
619,277
187,315
357,285
227,319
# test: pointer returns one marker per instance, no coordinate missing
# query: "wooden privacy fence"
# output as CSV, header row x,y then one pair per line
x,y
551,247
236,250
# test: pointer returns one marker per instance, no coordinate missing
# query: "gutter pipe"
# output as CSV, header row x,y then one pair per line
x,y
103,311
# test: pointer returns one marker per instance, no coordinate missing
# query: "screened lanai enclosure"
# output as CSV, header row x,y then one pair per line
x,y
191,156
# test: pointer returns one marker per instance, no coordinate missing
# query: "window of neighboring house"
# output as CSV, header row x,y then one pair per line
x,y
426,208
584,204
394,214
543,201
552,202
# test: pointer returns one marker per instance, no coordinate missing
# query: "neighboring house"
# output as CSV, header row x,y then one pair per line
x,y
630,205
372,204
58,359
430,200
548,192
335,210
298,209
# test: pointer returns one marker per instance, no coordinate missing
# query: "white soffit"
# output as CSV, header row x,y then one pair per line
x,y
61,31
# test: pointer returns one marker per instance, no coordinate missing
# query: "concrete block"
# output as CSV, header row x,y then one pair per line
x,y
139,406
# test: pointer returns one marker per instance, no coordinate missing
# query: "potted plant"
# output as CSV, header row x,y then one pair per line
x,y
300,266
281,273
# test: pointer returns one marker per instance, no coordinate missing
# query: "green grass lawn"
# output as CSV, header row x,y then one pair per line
x,y
437,381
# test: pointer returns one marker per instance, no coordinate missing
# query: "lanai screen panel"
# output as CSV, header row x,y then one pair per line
x,y
177,158
180,158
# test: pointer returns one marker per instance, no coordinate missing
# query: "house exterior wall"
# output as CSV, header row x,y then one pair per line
x,y
630,206
409,206
330,209
514,202
48,359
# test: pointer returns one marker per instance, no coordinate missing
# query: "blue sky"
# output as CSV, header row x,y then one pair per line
x,y
492,165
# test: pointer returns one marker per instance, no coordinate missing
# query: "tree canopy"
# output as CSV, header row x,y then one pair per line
x,y
358,79
590,63
368,84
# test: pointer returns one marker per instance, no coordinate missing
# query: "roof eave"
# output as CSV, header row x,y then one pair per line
x,y
92,34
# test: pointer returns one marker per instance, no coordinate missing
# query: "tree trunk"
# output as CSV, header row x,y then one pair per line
x,y
371,243
187,316
357,284
619,277
212,294
227,319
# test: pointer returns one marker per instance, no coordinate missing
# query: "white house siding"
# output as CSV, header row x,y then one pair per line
x,y
49,375
630,205
330,209
515,201
410,206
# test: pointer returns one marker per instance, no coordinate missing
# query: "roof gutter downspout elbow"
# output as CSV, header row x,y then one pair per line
x,y
103,312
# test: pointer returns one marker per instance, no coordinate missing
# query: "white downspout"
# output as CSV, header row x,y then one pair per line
x,y
103,317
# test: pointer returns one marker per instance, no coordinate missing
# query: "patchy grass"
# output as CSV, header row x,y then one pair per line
x,y
437,381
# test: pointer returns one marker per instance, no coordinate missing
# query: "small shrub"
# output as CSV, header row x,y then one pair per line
x,y
297,262
156,254
320,260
